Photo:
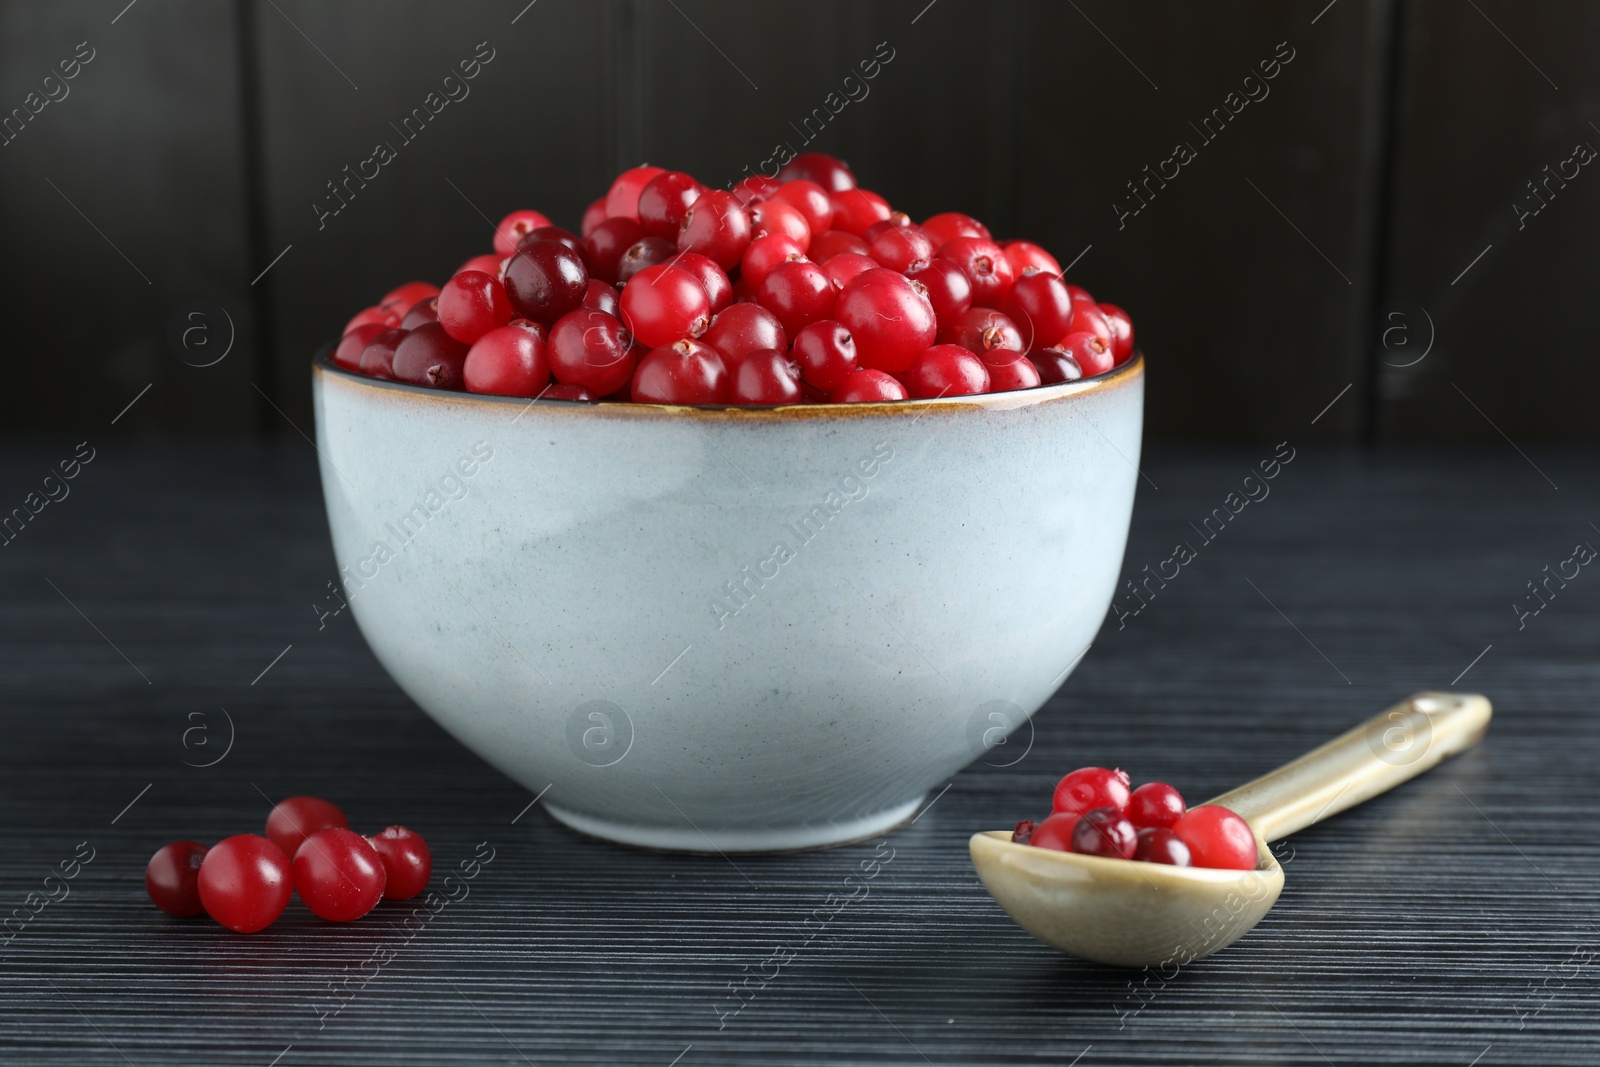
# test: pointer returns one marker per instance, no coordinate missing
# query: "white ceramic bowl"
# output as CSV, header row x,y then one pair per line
x,y
721,628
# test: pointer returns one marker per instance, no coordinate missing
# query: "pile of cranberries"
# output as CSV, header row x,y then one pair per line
x,y
1096,814
244,881
805,288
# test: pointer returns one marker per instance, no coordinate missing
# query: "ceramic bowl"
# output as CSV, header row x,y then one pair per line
x,y
730,629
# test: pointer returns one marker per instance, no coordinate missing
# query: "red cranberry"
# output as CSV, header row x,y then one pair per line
x,y
948,225
663,303
1088,351
890,318
1055,832
987,268
172,878
339,875
1105,832
556,233
854,210
546,280
1025,254
713,279
514,227
984,330
741,329
622,200
766,376
597,294
812,201
766,252
754,189
1160,845
1041,307
665,200
825,353
421,312
471,304
797,291
1155,804
377,359
348,353
946,370
1080,295
780,216
293,819
245,882
1217,838
593,216
1023,834
568,392
591,349
717,226
509,361
901,247
403,296
683,372
830,173
1009,371
407,862
1091,787
1121,332
607,245
645,252
862,386
1055,365
846,265
949,291
1088,318
488,264
388,317
829,243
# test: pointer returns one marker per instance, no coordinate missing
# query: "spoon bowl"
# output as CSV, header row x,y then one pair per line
x,y
1134,914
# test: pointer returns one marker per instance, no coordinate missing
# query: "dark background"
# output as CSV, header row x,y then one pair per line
x,y
1385,160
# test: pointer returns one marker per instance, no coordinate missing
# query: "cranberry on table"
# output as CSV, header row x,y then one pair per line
x,y
865,386
718,227
592,349
1088,351
825,353
429,356
605,247
830,243
509,361
798,292
712,278
293,819
780,216
622,200
664,200
1055,365
810,199
1121,332
172,878
765,252
683,372
1217,838
339,875
545,280
348,352
597,294
514,227
845,266
1160,845
1105,832
1009,371
948,225
765,376
423,311
1025,254
1155,804
890,318
830,173
407,861
245,882
1040,306
741,329
1055,832
645,252
902,247
471,304
985,330
377,359
662,304
947,288
946,370
1088,788
986,267
855,210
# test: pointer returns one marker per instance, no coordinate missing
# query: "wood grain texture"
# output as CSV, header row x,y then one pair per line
x,y
1450,920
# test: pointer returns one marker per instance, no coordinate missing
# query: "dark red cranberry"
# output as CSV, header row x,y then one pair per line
x,y
854,210
766,376
1041,307
797,291
1105,832
597,294
172,878
766,252
607,245
890,318
946,370
1160,845
984,330
1155,804
665,200
556,233
780,216
1121,332
664,303
740,329
902,247
948,289
1025,254
1091,787
830,173
1055,833
1009,371
683,372
645,252
718,227
407,862
866,386
1023,834
1089,351
377,359
812,201
622,199
948,225
987,268
830,243
825,353
568,392
713,279
348,353
845,266
430,356
546,280
1055,365
422,311
591,349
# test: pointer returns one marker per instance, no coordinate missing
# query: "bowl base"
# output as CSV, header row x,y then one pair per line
x,y
779,839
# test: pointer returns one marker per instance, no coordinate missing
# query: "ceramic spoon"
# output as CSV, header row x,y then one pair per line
x,y
1136,914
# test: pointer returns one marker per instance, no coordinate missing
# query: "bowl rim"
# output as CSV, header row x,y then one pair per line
x,y
322,365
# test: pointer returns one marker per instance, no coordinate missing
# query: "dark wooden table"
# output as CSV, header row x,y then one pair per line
x,y
1451,922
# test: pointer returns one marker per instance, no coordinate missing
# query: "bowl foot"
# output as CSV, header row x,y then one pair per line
x,y
776,839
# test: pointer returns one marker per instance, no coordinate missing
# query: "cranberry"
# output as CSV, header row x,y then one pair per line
x,y
854,210
622,200
948,225
245,882
829,243
386,316
339,875
780,216
890,318
1160,845
1217,838
896,220
407,862
1009,371
568,392
846,265
902,247
713,279
766,376
593,216
1080,295
422,311
645,252
1025,254
987,267
1024,832
664,303
591,349
984,330
556,233
471,304
429,356
830,173
825,353
293,819
1105,832
685,371
1088,318
597,294
946,370
717,226
1055,365
172,878
607,245
797,291
509,361
403,296
766,252
1121,332
741,329
1041,307
546,280
810,199
949,291
665,200
755,188
1088,351
348,354
1155,804
514,227
377,359
867,385
1055,832
487,264
1091,787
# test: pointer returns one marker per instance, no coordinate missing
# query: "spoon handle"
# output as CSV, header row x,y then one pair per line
x,y
1392,747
